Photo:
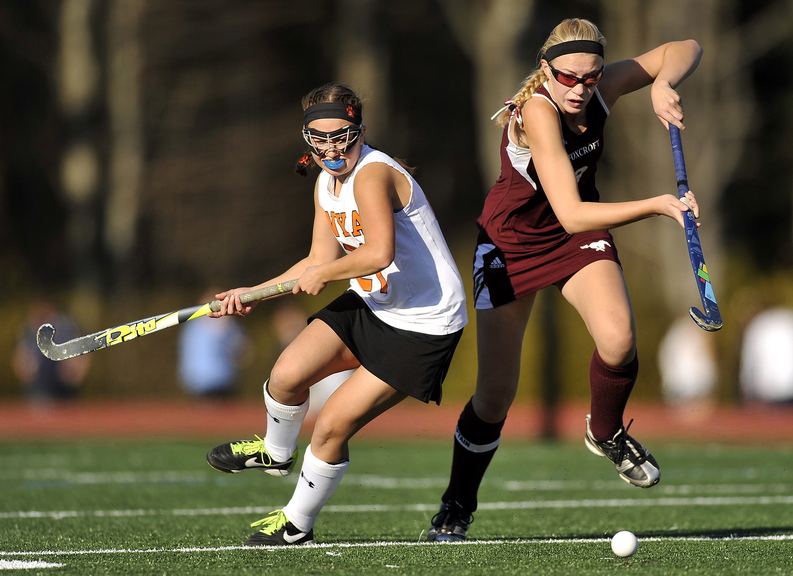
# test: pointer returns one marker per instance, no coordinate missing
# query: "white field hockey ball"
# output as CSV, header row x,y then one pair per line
x,y
624,544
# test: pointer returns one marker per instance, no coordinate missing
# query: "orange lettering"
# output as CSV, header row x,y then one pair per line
x,y
383,283
332,224
367,284
337,221
357,228
341,218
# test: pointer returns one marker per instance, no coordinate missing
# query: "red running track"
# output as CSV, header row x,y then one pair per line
x,y
411,420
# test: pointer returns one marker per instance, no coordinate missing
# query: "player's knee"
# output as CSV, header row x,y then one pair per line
x,y
329,432
285,376
491,407
618,351
284,386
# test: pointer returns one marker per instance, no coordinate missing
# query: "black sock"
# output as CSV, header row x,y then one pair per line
x,y
475,443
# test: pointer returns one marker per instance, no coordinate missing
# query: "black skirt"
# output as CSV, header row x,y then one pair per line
x,y
410,362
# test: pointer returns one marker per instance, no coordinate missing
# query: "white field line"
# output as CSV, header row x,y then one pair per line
x,y
775,537
55,475
27,565
61,478
548,504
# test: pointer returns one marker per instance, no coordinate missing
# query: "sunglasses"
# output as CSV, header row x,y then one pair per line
x,y
342,139
569,80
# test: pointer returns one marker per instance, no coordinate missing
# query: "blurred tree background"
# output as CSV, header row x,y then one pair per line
x,y
147,152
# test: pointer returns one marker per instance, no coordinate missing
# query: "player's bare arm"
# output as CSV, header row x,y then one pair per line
x,y
324,248
542,131
664,67
375,190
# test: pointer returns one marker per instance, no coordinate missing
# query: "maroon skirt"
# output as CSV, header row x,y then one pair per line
x,y
505,273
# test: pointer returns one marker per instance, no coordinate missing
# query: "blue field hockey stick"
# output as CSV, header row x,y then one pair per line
x,y
711,319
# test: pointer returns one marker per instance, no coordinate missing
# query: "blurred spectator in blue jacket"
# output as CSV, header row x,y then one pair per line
x,y
211,353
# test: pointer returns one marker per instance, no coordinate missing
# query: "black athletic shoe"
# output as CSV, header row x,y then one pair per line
x,y
450,524
244,455
633,461
276,530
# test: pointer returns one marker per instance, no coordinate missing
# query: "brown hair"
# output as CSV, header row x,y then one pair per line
x,y
332,92
566,30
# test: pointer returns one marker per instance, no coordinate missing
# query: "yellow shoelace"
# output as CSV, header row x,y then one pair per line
x,y
272,523
252,447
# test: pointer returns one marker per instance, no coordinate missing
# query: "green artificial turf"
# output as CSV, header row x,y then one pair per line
x,y
157,508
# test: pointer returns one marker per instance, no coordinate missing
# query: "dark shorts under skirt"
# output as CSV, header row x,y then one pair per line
x,y
503,274
410,362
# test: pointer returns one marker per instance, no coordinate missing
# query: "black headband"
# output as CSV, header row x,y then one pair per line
x,y
573,47
338,110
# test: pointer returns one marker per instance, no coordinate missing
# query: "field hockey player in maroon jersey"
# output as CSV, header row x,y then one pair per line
x,y
543,225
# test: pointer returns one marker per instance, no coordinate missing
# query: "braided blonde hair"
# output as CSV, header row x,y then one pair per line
x,y
566,30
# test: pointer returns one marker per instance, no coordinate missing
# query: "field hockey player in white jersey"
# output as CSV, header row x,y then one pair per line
x,y
397,326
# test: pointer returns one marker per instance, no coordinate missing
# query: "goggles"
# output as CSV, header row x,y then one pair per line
x,y
588,80
341,140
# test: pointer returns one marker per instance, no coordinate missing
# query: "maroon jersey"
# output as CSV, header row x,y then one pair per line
x,y
522,246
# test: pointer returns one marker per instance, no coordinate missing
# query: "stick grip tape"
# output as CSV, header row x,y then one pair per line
x,y
260,294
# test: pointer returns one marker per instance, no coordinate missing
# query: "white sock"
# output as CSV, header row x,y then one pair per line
x,y
317,483
283,426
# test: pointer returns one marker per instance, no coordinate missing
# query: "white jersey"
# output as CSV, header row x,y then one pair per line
x,y
421,290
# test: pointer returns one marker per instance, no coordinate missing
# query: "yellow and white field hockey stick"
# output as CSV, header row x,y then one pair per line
x,y
144,327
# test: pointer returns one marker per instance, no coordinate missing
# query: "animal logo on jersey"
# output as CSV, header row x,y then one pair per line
x,y
599,246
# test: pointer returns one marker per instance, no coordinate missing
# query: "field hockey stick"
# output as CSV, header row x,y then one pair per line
x,y
711,319
126,332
